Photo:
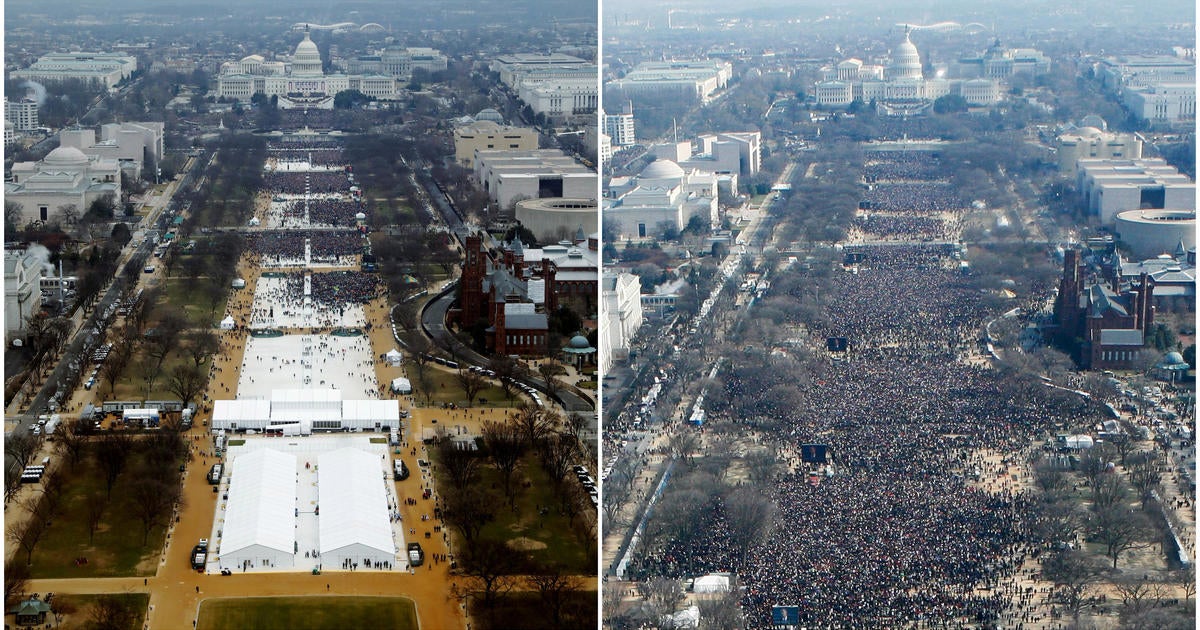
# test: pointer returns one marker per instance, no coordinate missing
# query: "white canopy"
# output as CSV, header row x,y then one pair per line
x,y
711,584
227,323
394,357
241,414
260,521
239,283
401,386
1080,441
687,618
354,519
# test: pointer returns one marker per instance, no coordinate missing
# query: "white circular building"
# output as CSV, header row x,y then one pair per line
x,y
1151,232
553,219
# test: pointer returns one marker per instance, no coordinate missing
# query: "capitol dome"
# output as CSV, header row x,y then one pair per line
x,y
66,156
661,169
307,59
1173,358
906,61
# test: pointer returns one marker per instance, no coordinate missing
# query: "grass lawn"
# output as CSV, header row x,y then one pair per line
x,y
553,530
132,384
77,609
446,389
182,292
310,613
117,549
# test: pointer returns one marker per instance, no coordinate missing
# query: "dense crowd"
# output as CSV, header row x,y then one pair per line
x,y
343,287
900,168
903,226
897,535
282,247
313,182
918,197
322,211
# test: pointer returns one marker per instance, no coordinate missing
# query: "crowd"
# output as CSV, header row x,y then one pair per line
x,y
915,197
344,287
289,247
898,534
321,211
903,226
891,166
306,182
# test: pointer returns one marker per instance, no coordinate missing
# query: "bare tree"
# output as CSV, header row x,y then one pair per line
x,y
721,613
550,370
202,345
187,381
1074,575
1119,529
152,502
506,372
535,423
468,511
555,588
28,534
472,383
111,613
112,452
505,448
16,579
1143,473
490,567
683,445
1109,490
71,443
664,594
93,507
21,447
751,517
1137,595
461,465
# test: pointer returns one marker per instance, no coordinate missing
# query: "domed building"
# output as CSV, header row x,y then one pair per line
x,y
662,198
896,83
65,177
300,82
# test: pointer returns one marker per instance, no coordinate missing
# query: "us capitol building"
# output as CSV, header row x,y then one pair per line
x,y
300,83
898,85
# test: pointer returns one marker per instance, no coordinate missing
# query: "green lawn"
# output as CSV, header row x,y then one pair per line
x,y
309,613
117,549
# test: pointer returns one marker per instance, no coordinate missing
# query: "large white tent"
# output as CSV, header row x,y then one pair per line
x,y
313,409
353,522
711,583
260,517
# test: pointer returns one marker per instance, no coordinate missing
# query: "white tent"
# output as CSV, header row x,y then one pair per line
x,y
254,221
241,414
401,386
687,618
352,498
227,323
394,357
711,584
239,283
1080,441
260,520
371,415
